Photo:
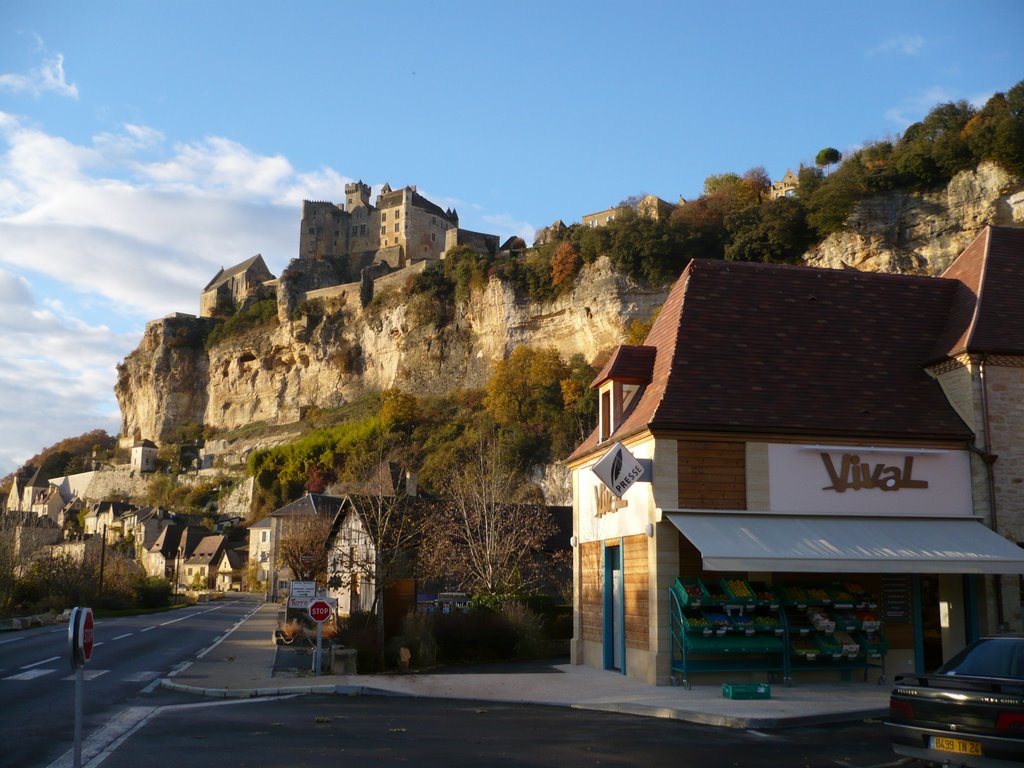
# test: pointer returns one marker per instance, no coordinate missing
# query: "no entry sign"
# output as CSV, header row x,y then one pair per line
x,y
80,636
319,611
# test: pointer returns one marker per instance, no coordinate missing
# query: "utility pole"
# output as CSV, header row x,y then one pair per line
x,y
103,556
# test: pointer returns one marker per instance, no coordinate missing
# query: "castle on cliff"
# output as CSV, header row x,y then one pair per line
x,y
400,229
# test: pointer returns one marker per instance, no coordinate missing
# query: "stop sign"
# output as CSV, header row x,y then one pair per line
x,y
87,633
319,611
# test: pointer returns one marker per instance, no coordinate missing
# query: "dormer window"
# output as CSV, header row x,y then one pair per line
x,y
619,385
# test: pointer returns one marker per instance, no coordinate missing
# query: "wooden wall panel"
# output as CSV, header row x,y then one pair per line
x,y
636,582
591,577
712,474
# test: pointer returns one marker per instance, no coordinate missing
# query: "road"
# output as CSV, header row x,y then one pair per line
x,y
317,731
130,655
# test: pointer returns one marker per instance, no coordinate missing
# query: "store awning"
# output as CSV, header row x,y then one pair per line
x,y
830,544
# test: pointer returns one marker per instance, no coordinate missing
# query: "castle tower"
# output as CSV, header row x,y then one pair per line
x,y
323,231
357,194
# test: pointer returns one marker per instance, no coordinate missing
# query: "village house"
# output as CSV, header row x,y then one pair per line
x,y
228,570
198,571
794,451
260,549
175,544
786,187
230,287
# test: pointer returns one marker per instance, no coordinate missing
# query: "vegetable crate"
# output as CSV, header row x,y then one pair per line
x,y
746,690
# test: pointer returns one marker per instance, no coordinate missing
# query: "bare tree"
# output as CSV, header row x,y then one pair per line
x,y
374,541
303,546
488,538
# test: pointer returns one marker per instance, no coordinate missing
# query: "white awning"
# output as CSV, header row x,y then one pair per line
x,y
831,544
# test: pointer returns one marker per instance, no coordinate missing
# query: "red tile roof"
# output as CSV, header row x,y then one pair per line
x,y
986,316
757,348
630,365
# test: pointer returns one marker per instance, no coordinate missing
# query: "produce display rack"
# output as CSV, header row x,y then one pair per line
x,y
731,625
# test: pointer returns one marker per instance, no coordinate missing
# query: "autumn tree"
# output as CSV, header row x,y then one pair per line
x,y
565,262
488,538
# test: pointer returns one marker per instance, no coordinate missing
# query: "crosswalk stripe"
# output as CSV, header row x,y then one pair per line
x,y
30,674
138,677
89,674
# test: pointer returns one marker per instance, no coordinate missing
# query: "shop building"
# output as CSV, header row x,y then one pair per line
x,y
807,447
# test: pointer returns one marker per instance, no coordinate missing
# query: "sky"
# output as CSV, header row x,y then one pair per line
x,y
144,145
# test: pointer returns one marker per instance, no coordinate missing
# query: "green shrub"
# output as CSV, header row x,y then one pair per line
x,y
258,314
153,592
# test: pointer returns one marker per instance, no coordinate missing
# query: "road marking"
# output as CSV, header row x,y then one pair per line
x,y
97,645
147,629
152,686
89,674
181,667
172,621
138,677
30,674
127,634
38,663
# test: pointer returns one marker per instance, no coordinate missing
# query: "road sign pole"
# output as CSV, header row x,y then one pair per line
x,y
79,681
319,641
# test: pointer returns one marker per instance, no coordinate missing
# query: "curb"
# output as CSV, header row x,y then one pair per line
x,y
640,710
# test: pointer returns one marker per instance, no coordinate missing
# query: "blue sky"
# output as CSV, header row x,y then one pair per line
x,y
144,145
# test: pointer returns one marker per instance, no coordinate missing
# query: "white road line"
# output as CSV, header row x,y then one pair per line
x,y
38,663
138,677
30,674
152,686
97,645
172,621
88,674
126,634
147,629
179,668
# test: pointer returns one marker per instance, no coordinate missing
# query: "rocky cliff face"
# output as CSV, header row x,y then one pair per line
x,y
327,359
910,233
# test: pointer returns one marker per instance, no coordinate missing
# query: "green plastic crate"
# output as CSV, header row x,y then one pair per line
x,y
746,690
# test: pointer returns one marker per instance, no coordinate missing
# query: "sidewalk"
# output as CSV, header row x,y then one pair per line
x,y
242,666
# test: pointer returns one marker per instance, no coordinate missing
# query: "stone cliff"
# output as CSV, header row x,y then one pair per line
x,y
334,349
334,354
921,233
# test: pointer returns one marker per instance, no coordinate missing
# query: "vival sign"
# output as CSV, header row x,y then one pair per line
x,y
618,469
864,480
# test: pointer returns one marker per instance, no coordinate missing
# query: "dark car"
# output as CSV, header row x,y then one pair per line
x,y
970,712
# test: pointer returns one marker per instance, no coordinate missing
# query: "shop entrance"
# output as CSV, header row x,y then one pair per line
x,y
614,635
931,624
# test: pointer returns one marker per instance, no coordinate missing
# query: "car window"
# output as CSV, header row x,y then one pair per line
x,y
988,658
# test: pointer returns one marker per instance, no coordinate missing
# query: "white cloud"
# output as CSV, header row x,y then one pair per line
x,y
904,45
916,107
48,77
98,238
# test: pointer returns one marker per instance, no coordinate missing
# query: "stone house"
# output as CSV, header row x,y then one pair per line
x,y
143,458
200,567
793,432
229,570
230,287
260,548
175,544
786,187
288,520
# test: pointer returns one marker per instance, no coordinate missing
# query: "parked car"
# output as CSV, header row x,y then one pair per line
x,y
970,712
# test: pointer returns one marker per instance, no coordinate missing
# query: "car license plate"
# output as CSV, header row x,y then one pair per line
x,y
960,746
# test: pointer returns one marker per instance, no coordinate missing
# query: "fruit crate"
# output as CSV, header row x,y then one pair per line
x,y
767,623
691,592
829,646
720,622
746,690
739,591
846,620
694,622
765,595
873,642
842,597
743,623
804,648
793,595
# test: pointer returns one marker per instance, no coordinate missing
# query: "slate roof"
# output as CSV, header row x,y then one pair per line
x,y
226,274
311,503
206,551
775,349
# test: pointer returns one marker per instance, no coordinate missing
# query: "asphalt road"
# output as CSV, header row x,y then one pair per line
x,y
37,684
317,731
